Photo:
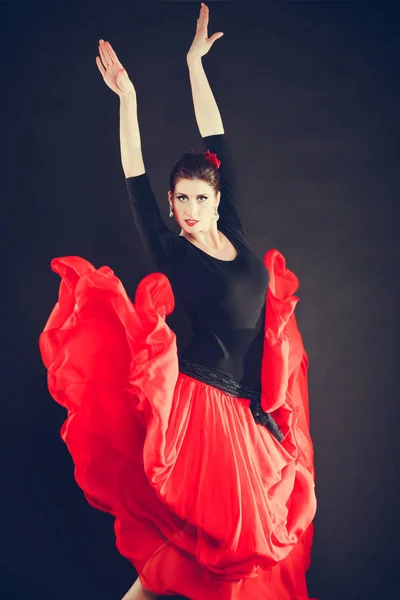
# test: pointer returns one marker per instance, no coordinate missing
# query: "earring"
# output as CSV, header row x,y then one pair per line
x,y
216,214
171,214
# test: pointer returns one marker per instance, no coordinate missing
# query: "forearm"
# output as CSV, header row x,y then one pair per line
x,y
131,150
208,117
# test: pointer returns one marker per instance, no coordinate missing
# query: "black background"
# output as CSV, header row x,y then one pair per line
x,y
309,95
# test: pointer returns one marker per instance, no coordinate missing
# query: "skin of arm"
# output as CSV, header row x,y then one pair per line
x,y
130,142
208,117
206,110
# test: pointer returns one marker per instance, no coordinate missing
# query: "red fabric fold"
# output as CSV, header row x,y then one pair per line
x,y
207,503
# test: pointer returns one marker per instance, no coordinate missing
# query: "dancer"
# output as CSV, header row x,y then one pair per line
x,y
204,458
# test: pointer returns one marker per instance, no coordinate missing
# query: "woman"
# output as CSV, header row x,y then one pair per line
x,y
204,459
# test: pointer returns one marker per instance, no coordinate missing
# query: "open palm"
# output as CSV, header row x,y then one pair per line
x,y
112,70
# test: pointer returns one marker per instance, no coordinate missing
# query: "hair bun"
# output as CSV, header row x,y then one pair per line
x,y
212,157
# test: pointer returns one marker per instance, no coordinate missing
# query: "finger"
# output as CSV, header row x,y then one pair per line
x,y
101,68
112,52
106,47
215,37
199,20
205,14
203,21
104,57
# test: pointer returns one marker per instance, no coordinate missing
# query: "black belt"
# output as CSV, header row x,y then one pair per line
x,y
233,388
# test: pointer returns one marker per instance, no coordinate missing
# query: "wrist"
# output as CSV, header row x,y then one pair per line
x,y
193,60
128,97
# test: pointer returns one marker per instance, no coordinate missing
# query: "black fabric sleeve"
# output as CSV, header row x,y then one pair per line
x,y
228,209
159,241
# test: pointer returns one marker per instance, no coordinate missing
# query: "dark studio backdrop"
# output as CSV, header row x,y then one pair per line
x,y
309,96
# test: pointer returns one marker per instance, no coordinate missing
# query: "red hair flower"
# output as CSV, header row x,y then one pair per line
x,y
212,157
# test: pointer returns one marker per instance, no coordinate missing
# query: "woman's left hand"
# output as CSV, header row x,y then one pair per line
x,y
201,44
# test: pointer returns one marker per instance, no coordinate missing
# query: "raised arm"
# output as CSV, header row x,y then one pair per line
x,y
129,135
157,239
117,79
206,110
155,235
210,125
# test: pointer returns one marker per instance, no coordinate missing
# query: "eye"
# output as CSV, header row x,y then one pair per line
x,y
200,197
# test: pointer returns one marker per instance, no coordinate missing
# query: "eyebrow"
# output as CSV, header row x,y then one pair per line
x,y
182,194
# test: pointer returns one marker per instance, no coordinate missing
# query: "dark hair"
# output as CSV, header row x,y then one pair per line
x,y
194,165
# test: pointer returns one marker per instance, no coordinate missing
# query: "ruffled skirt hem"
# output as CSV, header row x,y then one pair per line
x,y
207,503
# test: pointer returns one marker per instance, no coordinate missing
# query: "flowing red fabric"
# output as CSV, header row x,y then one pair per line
x,y
207,503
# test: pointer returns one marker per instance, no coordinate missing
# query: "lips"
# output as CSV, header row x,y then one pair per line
x,y
190,222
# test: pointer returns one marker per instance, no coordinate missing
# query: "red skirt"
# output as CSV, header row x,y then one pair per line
x,y
207,502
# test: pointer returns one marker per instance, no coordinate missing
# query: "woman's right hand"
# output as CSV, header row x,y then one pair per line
x,y
112,71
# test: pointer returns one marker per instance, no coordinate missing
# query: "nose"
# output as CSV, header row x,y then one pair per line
x,y
192,215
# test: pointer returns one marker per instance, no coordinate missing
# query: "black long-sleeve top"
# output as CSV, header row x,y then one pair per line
x,y
225,300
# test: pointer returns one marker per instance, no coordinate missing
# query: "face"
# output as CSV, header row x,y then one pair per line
x,y
194,199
